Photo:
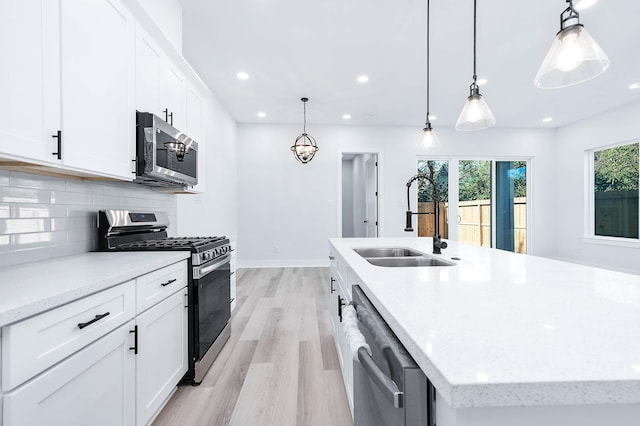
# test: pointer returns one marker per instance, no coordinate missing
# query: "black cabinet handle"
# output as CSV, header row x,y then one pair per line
x,y
341,303
171,117
169,282
332,281
135,340
166,114
97,318
58,136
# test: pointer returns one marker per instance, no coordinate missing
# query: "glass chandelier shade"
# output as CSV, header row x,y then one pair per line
x,y
475,114
574,56
305,146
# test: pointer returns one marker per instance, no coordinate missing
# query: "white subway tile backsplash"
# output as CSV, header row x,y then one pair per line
x,y
11,194
43,217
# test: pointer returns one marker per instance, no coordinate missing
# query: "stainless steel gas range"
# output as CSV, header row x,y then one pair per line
x,y
209,277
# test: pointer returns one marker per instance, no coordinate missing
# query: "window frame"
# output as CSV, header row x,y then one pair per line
x,y
589,235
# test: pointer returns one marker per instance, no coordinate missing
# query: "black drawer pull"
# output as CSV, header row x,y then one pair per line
x,y
97,318
169,282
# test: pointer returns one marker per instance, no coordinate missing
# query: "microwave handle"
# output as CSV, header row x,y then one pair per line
x,y
168,116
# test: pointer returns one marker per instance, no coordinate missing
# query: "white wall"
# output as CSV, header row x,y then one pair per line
x,y
167,15
287,210
214,211
618,125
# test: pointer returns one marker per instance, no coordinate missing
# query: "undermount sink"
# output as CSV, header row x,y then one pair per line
x,y
399,257
404,262
387,252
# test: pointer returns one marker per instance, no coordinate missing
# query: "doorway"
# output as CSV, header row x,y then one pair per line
x,y
359,195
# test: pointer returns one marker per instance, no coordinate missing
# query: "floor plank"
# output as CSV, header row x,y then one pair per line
x,y
279,367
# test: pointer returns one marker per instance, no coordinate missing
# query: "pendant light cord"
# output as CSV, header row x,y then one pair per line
x,y
428,31
475,76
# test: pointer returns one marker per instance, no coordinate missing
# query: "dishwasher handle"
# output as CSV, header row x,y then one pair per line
x,y
384,382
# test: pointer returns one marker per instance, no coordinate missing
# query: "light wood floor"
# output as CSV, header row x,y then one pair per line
x,y
280,365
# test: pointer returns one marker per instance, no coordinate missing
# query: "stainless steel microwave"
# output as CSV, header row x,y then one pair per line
x,y
165,156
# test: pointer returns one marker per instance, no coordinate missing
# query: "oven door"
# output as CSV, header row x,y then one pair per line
x,y
211,303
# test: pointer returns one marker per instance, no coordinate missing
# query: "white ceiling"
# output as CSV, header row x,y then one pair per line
x,y
317,48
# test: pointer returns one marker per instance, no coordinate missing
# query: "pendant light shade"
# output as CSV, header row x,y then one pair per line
x,y
429,138
305,146
574,56
475,114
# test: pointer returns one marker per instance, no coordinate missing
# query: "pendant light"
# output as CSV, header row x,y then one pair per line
x,y
305,146
475,114
429,138
574,57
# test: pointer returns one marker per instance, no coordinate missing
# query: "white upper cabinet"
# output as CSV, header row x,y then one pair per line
x,y
30,92
68,69
160,86
195,130
97,66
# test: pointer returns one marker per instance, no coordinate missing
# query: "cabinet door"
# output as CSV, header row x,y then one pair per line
x,y
149,62
97,64
174,93
93,387
30,92
195,130
162,354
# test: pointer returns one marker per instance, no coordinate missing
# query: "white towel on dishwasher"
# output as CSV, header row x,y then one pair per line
x,y
354,337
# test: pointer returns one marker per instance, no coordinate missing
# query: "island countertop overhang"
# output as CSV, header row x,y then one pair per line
x,y
504,329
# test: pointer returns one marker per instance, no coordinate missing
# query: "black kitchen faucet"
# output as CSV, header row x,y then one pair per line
x,y
438,244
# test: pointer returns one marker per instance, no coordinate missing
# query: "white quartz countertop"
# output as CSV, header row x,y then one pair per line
x,y
32,288
505,329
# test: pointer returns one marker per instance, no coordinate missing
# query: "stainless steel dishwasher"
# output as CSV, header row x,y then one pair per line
x,y
389,388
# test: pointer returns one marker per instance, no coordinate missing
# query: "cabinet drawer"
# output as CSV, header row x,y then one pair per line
x,y
92,387
37,343
158,285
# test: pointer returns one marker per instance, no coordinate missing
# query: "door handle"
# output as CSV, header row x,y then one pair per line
x,y
58,136
341,303
332,281
384,382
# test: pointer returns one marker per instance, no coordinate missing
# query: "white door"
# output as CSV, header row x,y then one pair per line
x,y
149,62
371,196
30,76
97,68
174,94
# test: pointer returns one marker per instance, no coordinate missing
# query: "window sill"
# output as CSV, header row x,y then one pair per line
x,y
613,241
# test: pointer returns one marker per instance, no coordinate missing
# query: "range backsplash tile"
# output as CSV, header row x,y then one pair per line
x,y
43,217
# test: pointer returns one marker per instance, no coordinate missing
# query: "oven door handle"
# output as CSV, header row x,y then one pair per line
x,y
203,270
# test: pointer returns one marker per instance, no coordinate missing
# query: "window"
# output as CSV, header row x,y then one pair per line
x,y
613,186
486,198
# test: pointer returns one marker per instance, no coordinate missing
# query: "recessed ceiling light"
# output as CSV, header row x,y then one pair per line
x,y
433,117
547,120
242,76
363,79
262,114
583,4
634,86
347,116
481,81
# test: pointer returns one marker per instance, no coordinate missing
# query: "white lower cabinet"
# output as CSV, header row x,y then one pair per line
x,y
99,360
95,386
339,298
161,360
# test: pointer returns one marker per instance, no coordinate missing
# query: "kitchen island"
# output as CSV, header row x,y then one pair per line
x,y
510,339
